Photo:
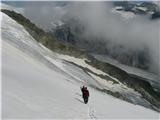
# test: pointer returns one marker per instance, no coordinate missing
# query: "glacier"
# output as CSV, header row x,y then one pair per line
x,y
40,84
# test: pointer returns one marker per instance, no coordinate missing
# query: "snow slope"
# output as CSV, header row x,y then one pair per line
x,y
37,83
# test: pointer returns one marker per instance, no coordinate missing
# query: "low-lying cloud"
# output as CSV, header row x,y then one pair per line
x,y
137,33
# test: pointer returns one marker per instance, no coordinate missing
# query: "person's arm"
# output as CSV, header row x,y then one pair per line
x,y
81,88
88,93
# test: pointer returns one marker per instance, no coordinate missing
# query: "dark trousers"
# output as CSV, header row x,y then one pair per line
x,y
85,100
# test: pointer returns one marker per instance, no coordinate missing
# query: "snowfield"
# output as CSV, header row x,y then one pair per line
x,y
40,84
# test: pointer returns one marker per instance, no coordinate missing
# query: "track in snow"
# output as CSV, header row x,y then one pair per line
x,y
91,112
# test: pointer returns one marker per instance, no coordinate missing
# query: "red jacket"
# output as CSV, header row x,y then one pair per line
x,y
85,92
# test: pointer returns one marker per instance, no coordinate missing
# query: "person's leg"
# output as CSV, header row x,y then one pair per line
x,y
85,100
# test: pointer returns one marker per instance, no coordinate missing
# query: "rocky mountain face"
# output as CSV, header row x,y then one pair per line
x,y
136,7
74,34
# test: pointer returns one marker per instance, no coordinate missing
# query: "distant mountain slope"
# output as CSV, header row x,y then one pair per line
x,y
150,77
142,7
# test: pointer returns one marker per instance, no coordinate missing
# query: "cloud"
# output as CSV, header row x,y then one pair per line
x,y
9,7
44,14
137,33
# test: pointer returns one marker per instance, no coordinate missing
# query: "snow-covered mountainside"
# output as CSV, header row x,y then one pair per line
x,y
150,77
38,83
